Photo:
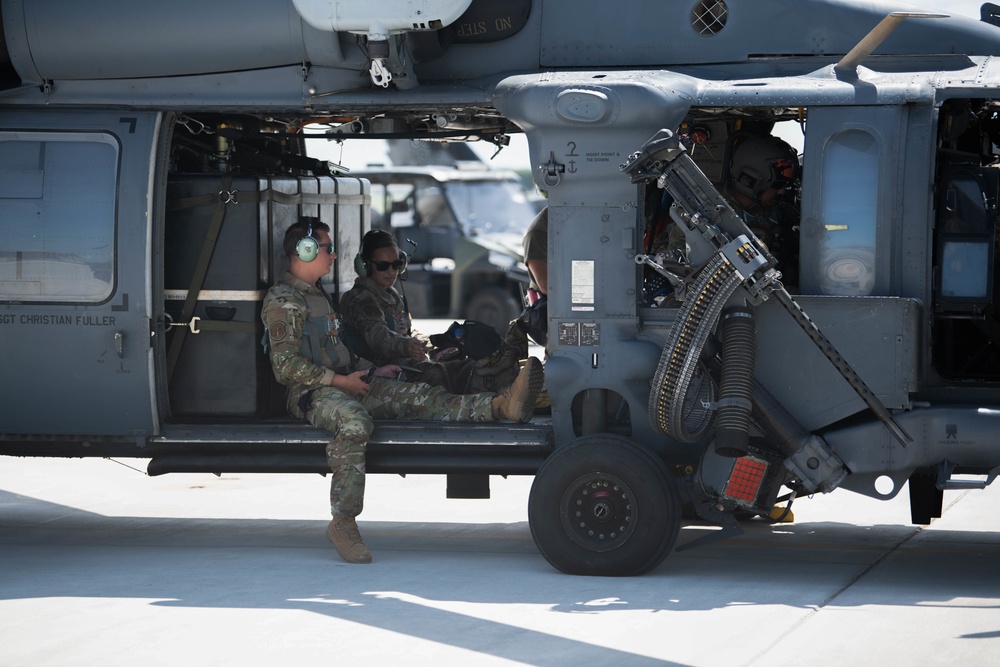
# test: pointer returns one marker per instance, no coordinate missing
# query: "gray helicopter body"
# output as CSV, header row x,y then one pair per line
x,y
152,154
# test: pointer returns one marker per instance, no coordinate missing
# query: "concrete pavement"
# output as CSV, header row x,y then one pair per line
x,y
100,564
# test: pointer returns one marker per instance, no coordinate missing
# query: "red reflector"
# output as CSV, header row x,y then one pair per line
x,y
745,480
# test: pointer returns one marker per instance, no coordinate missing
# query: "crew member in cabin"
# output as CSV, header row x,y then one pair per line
x,y
335,390
377,326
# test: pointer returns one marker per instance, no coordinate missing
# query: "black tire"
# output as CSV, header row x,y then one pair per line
x,y
604,506
493,306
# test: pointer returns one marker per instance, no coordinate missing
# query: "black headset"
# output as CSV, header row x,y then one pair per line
x,y
362,264
308,247
751,162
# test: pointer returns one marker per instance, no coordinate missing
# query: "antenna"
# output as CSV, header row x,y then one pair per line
x,y
849,63
402,290
403,275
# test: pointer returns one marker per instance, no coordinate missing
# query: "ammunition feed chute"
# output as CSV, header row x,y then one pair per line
x,y
727,256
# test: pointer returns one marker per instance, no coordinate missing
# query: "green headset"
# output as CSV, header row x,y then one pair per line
x,y
362,261
308,246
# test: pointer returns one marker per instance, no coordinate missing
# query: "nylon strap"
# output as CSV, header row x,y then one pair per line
x,y
201,269
201,324
255,197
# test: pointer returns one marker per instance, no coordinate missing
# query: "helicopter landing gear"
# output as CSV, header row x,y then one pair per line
x,y
603,505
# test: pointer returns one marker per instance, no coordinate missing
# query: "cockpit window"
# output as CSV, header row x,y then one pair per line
x,y
65,184
965,241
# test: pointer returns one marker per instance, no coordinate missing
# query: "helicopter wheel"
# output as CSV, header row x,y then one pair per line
x,y
603,505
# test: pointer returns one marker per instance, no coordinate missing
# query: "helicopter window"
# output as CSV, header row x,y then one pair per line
x,y
965,269
66,184
965,230
848,207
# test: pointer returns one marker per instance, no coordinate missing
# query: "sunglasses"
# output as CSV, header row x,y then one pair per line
x,y
384,266
328,246
782,174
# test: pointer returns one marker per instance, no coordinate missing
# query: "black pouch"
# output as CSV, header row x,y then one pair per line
x,y
474,339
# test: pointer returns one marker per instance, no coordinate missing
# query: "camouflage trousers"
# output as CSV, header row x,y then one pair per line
x,y
436,374
350,420
493,373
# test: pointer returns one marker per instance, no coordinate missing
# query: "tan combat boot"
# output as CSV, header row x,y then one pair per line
x,y
343,533
517,402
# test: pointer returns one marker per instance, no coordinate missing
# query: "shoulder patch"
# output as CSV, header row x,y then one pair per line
x,y
277,331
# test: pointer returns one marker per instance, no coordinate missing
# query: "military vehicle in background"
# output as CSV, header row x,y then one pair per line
x,y
461,228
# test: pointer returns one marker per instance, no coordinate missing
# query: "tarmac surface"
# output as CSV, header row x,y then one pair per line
x,y
100,564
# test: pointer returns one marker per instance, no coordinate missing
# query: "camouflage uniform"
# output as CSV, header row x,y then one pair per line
x,y
378,327
536,242
306,352
533,320
378,315
778,229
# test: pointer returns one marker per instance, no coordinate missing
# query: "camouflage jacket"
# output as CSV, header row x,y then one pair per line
x,y
377,321
536,242
302,329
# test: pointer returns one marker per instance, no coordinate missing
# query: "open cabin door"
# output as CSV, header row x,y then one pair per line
x,y
75,213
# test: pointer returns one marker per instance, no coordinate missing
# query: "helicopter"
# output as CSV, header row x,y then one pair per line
x,y
152,155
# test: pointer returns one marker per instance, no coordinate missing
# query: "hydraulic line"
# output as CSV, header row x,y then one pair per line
x,y
672,412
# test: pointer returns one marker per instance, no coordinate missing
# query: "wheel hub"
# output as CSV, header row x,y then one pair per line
x,y
598,512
